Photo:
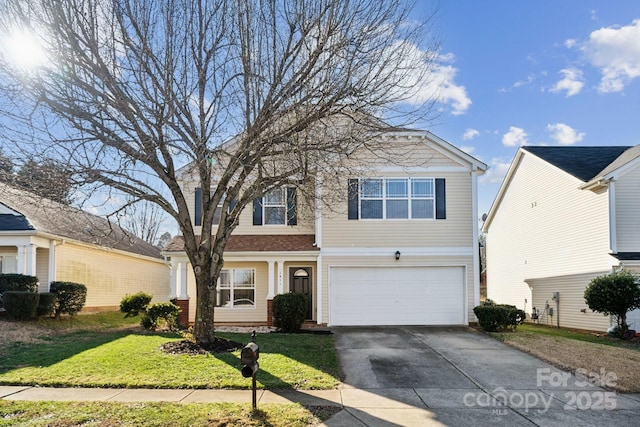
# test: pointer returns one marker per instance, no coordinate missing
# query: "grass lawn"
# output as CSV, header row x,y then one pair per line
x,y
36,414
107,351
529,329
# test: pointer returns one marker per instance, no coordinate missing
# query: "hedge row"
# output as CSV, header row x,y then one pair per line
x,y
21,300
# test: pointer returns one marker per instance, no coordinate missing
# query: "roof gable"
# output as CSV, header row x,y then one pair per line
x,y
583,163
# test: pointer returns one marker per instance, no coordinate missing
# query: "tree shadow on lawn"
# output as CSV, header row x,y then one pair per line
x,y
54,349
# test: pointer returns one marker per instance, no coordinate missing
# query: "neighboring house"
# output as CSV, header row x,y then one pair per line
x,y
398,245
55,242
563,216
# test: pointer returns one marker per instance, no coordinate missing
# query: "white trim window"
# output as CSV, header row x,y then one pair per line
x,y
275,207
397,198
236,288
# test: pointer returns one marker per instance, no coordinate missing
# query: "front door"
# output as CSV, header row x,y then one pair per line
x,y
300,279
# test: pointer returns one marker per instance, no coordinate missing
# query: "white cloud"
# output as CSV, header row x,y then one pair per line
x,y
564,134
569,43
515,136
440,85
616,52
470,134
497,171
572,82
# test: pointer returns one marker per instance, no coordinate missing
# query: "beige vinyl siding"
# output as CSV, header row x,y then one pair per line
x,y
42,269
571,290
388,261
545,226
256,314
627,199
109,275
454,231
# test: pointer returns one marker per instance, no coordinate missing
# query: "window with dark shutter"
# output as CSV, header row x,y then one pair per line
x,y
292,215
353,201
197,207
441,199
257,211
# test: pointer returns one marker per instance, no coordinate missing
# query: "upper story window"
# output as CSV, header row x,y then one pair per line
x,y
277,207
397,198
197,220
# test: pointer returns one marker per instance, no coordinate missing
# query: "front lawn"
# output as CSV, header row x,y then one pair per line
x,y
122,355
44,414
588,354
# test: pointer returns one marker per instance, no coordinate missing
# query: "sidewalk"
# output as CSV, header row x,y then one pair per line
x,y
306,397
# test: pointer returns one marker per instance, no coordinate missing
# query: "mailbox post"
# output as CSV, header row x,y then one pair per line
x,y
249,358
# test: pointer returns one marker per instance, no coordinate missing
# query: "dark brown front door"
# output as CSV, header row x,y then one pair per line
x,y
300,279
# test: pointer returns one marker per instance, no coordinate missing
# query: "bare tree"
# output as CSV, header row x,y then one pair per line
x,y
254,94
143,219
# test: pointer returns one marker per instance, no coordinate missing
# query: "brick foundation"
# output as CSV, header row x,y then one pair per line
x,y
270,312
183,317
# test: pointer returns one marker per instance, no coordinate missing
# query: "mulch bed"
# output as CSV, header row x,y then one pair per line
x,y
220,345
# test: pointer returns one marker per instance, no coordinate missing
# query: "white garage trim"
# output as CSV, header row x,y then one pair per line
x,y
397,295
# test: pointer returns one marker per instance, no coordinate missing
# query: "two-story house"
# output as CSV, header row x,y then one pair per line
x,y
563,216
397,246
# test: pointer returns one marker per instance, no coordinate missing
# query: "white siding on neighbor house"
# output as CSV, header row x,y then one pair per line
x,y
627,197
572,302
545,226
387,260
454,231
110,275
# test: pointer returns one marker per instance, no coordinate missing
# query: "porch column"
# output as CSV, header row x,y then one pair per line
x,y
181,281
271,282
280,276
319,307
27,260
180,287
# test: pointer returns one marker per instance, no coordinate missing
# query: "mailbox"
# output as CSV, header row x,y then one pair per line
x,y
249,359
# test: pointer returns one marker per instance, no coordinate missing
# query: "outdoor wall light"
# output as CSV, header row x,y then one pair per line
x,y
397,255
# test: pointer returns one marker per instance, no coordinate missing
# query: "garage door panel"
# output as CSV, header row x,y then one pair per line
x,y
397,296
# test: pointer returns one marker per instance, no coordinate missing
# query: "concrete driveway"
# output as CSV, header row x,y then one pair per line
x,y
456,376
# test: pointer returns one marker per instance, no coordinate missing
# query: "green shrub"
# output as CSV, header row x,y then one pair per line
x,y
135,303
495,317
18,282
289,311
71,297
161,311
47,304
614,294
21,305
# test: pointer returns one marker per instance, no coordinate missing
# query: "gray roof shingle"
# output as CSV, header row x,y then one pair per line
x,y
583,163
46,216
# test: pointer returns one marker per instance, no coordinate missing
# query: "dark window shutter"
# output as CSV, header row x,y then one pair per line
x,y
292,211
257,211
232,204
441,199
352,203
197,207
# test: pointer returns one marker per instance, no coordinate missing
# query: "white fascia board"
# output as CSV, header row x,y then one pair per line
x,y
440,145
422,169
404,251
267,256
503,188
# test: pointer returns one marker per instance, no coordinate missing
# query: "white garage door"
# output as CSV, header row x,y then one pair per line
x,y
396,296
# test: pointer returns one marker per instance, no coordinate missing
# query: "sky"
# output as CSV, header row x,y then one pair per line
x,y
535,72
